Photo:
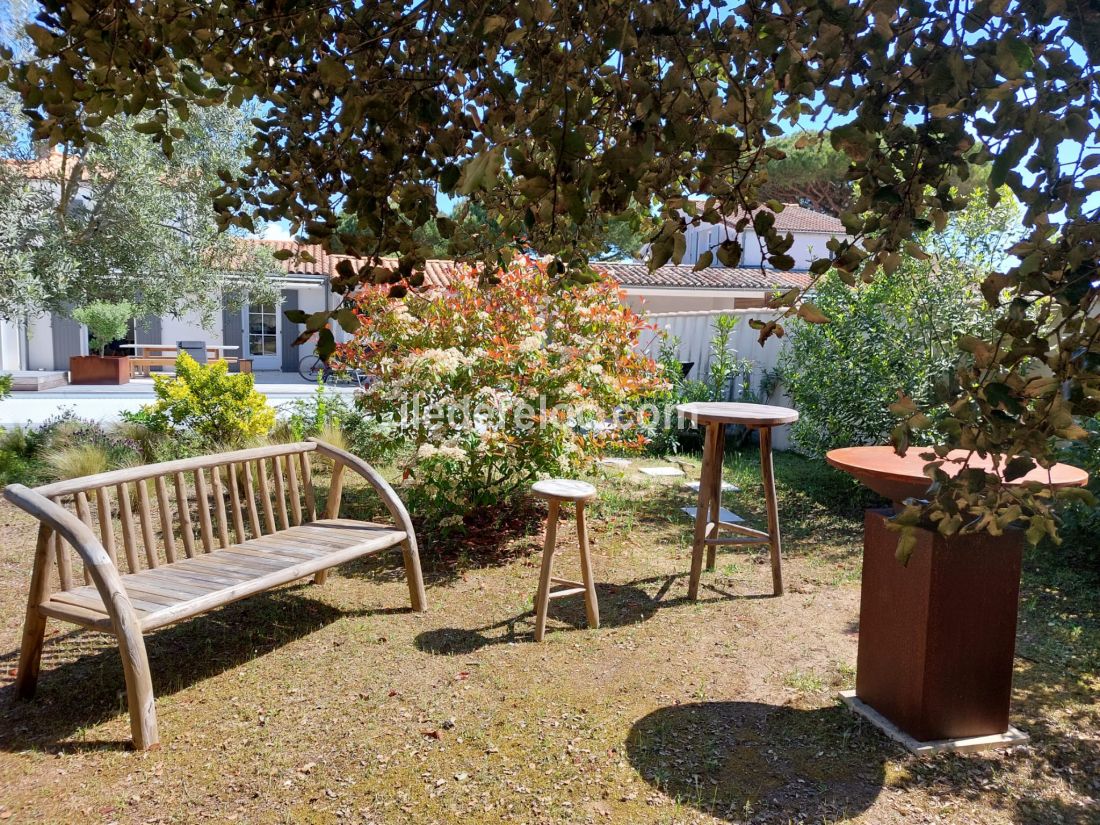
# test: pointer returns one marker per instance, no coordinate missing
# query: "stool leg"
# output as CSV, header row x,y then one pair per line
x,y
767,474
542,597
591,605
716,493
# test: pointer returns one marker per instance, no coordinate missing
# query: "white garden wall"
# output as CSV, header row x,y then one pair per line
x,y
695,330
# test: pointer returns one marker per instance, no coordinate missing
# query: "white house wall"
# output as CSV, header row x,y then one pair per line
x,y
189,328
694,331
10,342
808,246
40,343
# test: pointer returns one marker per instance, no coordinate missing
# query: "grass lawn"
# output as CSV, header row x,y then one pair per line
x,y
336,704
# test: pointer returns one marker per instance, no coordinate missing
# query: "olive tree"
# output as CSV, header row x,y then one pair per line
x,y
555,116
114,220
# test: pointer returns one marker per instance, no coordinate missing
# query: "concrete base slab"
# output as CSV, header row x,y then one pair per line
x,y
727,487
724,515
37,380
617,463
661,471
1010,738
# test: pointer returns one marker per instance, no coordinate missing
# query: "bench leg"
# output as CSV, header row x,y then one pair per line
x,y
413,575
34,626
30,654
139,691
320,577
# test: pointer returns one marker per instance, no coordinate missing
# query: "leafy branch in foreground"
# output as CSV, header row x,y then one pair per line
x,y
554,117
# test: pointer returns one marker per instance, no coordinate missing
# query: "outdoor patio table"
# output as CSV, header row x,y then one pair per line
x,y
215,350
714,416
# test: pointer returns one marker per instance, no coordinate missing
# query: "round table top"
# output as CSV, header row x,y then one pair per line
x,y
563,488
730,412
883,463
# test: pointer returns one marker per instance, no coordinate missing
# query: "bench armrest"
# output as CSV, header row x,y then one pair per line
x,y
100,568
385,492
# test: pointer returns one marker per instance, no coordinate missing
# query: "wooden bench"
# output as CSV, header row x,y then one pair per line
x,y
164,542
140,364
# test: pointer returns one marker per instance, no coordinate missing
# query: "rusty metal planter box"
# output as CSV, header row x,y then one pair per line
x,y
937,637
99,369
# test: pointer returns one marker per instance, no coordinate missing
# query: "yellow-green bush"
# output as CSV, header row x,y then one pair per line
x,y
209,403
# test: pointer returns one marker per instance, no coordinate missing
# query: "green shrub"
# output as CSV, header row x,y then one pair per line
x,y
897,334
893,335
5,385
728,378
105,322
209,404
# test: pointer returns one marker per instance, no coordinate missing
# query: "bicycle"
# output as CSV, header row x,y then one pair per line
x,y
312,367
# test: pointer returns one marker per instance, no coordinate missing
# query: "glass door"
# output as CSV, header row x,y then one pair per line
x,y
261,336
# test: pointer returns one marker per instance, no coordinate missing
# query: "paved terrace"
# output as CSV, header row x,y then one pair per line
x,y
106,403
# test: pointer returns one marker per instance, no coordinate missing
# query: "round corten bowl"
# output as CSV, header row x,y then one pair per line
x,y
900,477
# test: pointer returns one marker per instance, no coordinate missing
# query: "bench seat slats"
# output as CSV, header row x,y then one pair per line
x,y
188,587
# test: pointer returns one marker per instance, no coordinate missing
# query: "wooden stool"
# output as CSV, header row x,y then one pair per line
x,y
557,490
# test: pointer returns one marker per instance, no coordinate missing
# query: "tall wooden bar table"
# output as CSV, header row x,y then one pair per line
x,y
715,416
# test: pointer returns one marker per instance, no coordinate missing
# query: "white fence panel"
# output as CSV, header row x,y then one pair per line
x,y
695,330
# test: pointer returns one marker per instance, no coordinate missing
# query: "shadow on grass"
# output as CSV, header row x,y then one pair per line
x,y
488,539
1053,701
620,605
747,761
82,685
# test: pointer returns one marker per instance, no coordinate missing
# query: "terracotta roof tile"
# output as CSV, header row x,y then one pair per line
x,y
713,277
794,218
436,273
48,167
439,273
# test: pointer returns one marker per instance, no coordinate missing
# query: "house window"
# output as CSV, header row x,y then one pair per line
x,y
262,329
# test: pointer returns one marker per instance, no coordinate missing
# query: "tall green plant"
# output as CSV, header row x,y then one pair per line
x,y
105,322
728,378
891,337
728,374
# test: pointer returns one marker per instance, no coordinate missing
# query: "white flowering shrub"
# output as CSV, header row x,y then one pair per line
x,y
498,386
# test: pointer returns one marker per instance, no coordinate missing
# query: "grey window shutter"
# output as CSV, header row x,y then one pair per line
x,y
289,331
69,339
148,330
233,330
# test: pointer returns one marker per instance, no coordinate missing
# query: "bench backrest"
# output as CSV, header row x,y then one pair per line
x,y
157,513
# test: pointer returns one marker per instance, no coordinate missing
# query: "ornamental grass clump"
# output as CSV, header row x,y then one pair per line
x,y
493,387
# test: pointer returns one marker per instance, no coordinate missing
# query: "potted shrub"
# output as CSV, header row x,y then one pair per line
x,y
106,323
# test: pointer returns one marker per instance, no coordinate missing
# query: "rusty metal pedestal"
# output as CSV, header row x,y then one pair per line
x,y
937,638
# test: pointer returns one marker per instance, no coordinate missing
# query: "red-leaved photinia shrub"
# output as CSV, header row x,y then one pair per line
x,y
496,386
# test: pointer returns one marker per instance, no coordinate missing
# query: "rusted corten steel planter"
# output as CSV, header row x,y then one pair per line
x,y
99,369
937,636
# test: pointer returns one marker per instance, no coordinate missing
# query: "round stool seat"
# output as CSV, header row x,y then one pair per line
x,y
563,489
